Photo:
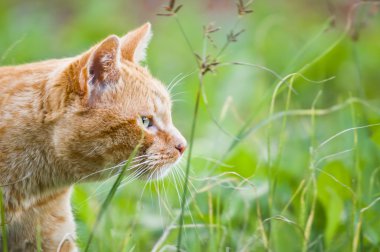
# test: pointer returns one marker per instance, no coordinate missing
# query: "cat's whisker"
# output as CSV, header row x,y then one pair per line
x,y
108,177
139,168
180,179
178,93
146,183
178,100
174,179
147,157
159,198
97,172
146,164
137,165
166,201
142,156
179,81
176,186
121,164
182,175
178,171
131,177
154,163
190,182
97,192
165,192
135,175
138,160
173,80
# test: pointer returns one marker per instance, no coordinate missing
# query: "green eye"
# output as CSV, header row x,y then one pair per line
x,y
147,122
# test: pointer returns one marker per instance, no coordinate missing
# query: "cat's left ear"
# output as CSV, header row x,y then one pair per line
x,y
134,44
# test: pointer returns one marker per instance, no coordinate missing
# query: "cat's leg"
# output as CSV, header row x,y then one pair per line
x,y
50,219
57,223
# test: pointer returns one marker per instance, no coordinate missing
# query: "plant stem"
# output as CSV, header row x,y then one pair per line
x,y
191,143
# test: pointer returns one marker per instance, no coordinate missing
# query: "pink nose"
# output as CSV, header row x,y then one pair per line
x,y
181,148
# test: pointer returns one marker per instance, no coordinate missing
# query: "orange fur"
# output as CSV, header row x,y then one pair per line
x,y
70,120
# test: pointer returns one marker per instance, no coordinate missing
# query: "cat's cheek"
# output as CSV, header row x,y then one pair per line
x,y
145,145
152,130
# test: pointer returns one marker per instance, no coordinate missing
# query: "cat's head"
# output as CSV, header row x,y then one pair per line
x,y
116,105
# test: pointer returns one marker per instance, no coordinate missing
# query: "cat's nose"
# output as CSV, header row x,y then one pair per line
x,y
181,148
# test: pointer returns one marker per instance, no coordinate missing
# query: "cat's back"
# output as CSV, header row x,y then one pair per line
x,y
22,89
28,74
20,84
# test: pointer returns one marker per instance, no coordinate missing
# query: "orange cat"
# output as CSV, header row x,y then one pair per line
x,y
69,120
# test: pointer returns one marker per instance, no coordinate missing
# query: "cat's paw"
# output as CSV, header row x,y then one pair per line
x,y
67,244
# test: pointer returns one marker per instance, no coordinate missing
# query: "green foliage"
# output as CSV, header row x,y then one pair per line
x,y
293,168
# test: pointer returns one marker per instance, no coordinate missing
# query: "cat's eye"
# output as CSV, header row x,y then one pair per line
x,y
146,121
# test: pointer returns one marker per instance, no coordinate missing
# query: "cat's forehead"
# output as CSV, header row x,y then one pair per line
x,y
134,69
140,78
160,100
148,93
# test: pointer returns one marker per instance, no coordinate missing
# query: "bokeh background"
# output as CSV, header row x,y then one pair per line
x,y
286,149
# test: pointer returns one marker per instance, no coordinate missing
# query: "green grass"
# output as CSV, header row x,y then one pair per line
x,y
4,235
285,141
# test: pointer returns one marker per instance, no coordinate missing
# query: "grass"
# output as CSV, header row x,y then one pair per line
x,y
3,224
283,128
111,194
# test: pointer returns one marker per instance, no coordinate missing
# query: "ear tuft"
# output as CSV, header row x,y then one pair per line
x,y
134,44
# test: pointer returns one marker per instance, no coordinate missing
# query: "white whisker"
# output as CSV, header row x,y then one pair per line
x,y
172,86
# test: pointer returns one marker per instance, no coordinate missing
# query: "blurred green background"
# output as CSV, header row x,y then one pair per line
x,y
302,175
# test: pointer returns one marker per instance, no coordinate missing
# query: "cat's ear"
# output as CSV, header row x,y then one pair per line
x,y
134,44
101,66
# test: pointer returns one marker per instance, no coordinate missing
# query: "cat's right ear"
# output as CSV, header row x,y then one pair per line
x,y
100,67
134,44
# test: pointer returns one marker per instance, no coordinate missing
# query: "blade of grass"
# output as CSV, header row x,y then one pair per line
x,y
356,160
355,243
312,180
4,234
110,196
10,48
38,238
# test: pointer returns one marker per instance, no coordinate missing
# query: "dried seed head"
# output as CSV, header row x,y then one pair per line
x,y
171,9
